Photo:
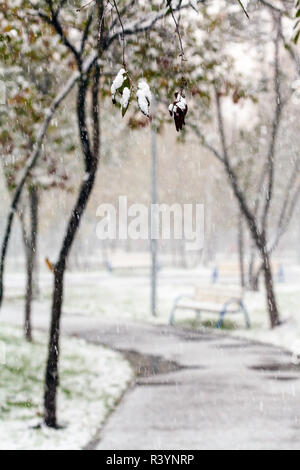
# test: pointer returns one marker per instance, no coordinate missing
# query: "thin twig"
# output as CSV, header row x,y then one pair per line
x,y
169,2
86,31
53,20
123,31
85,6
244,9
275,128
141,26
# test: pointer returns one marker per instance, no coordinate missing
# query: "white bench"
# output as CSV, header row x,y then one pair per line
x,y
225,271
231,271
212,299
128,261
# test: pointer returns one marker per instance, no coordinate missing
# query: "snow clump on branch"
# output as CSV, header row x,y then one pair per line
x,y
121,86
179,109
144,97
117,83
125,98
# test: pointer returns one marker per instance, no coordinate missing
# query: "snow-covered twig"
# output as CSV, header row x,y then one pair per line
x,y
143,24
169,2
122,28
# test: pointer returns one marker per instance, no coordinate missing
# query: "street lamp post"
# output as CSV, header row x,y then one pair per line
x,y
153,212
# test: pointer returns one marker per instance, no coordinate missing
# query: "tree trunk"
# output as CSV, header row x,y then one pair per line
x,y
251,275
28,299
36,279
299,239
269,284
4,248
258,237
254,280
254,274
36,267
52,376
31,259
241,244
91,156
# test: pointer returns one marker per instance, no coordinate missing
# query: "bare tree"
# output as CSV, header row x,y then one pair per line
x,y
291,193
31,245
289,202
257,213
257,223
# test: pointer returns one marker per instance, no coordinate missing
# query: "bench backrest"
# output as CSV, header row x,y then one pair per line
x,y
127,259
218,294
228,269
233,269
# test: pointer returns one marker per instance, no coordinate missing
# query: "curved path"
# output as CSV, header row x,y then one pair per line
x,y
198,391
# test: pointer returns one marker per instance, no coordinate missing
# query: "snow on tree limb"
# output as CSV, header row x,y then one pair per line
x,y
178,109
144,97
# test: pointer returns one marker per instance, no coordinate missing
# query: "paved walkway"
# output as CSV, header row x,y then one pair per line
x,y
196,390
201,391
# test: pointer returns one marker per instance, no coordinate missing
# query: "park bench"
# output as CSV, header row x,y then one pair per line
x,y
128,261
219,300
225,271
231,271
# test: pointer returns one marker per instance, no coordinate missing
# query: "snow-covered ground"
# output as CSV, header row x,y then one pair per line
x,y
127,296
93,379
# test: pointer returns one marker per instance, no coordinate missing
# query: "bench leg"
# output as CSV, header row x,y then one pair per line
x,y
173,311
172,314
281,277
246,315
222,315
108,266
215,275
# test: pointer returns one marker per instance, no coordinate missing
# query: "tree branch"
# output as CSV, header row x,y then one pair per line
x,y
275,129
271,7
53,20
86,31
142,25
206,144
252,223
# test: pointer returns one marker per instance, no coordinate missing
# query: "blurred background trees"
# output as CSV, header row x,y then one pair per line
x,y
238,153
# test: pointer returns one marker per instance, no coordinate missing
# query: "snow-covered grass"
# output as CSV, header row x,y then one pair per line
x,y
92,381
288,334
127,296
133,302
